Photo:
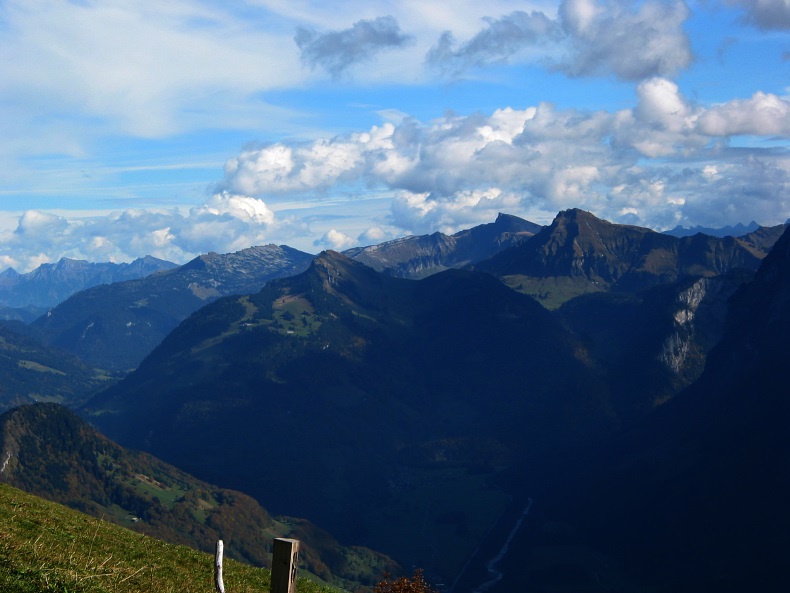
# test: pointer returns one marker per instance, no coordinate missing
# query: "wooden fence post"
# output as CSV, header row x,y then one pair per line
x,y
285,563
220,586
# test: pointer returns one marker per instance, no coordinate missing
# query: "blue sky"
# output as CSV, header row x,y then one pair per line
x,y
178,128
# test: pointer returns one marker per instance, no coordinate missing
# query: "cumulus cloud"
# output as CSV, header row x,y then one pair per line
x,y
766,14
631,41
237,207
336,51
374,235
279,168
425,213
762,115
334,239
664,122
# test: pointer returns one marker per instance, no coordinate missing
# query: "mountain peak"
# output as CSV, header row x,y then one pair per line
x,y
591,255
67,263
508,222
578,215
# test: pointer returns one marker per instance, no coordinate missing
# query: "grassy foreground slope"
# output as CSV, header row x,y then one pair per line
x,y
49,548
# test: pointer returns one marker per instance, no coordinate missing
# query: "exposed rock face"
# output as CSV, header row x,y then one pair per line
x,y
698,324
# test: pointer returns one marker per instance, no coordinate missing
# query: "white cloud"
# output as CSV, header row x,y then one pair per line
x,y
374,235
501,39
41,224
304,166
243,208
663,123
424,213
334,239
762,115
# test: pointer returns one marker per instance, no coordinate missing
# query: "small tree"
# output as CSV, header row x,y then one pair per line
x,y
415,584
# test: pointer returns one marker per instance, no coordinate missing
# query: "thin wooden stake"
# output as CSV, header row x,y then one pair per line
x,y
218,569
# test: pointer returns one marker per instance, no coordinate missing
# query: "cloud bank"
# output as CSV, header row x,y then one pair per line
x,y
225,222
662,162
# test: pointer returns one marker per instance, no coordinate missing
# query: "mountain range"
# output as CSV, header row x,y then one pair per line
x,y
50,284
377,389
737,230
114,326
134,316
625,380
579,253
388,390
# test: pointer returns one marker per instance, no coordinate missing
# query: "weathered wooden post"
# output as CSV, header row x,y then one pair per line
x,y
285,563
220,586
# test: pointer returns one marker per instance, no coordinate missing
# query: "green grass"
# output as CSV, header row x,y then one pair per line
x,y
552,292
295,316
48,548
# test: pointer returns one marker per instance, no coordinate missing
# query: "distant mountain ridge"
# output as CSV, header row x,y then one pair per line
x,y
115,326
420,256
736,230
50,284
